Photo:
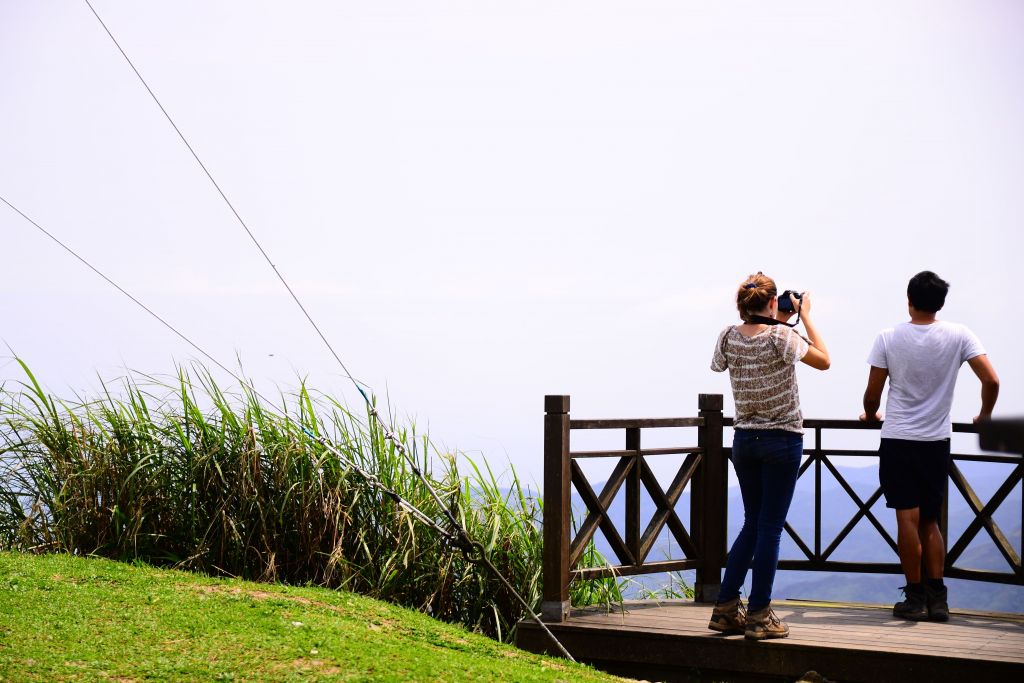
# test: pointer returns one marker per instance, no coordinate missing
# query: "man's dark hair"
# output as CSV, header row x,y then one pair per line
x,y
927,291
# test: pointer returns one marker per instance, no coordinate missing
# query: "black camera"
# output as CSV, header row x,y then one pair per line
x,y
785,303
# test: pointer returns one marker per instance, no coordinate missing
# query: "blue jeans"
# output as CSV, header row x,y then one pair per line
x,y
766,463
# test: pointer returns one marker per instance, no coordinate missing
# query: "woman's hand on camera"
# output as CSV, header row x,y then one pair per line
x,y
817,355
794,307
803,304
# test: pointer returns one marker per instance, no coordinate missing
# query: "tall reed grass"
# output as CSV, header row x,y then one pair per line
x,y
184,474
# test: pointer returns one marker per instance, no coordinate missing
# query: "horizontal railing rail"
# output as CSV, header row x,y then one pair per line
x,y
704,470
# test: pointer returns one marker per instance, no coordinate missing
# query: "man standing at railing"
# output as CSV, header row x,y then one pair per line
x,y
921,359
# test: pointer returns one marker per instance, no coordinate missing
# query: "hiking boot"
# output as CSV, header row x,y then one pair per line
x,y
729,617
935,599
915,606
764,623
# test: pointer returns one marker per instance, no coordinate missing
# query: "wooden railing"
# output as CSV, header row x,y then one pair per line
x,y
820,458
705,470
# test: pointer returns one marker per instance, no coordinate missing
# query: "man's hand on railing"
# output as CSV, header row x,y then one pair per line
x,y
877,417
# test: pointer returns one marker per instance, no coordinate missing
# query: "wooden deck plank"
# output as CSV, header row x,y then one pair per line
x,y
949,646
901,631
839,617
826,633
963,627
894,627
689,610
670,641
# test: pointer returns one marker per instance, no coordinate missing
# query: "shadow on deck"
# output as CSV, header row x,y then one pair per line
x,y
670,641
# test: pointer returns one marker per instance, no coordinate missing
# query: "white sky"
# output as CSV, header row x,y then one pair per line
x,y
484,202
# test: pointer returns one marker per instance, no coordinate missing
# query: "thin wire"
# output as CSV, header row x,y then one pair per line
x,y
272,406
122,290
460,538
225,198
388,434
466,539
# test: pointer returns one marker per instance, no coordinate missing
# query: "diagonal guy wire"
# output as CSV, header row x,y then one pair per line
x,y
468,545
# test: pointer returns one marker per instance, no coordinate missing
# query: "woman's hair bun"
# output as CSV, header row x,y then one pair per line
x,y
754,294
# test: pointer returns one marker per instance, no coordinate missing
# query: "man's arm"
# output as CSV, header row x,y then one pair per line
x,y
989,385
873,394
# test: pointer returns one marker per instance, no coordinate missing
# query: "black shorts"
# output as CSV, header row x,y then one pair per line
x,y
914,474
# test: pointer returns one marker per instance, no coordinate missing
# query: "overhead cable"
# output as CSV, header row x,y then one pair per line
x,y
369,477
470,548
225,198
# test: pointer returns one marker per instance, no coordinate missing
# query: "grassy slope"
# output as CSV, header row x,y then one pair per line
x,y
64,618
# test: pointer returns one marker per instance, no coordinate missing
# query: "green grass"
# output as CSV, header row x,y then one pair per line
x,y
65,618
183,474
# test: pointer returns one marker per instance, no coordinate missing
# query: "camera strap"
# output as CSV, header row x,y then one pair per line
x,y
760,319
764,320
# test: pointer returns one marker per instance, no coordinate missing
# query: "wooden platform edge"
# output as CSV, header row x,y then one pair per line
x,y
677,657
800,602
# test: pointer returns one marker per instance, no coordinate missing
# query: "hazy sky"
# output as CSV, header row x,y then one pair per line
x,y
484,202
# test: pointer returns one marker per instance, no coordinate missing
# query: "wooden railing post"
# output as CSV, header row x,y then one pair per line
x,y
633,485
557,511
709,500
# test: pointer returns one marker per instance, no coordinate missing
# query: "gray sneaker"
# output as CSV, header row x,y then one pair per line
x,y
764,623
729,617
915,606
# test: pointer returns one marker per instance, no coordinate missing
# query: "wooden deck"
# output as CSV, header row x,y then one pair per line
x,y
670,641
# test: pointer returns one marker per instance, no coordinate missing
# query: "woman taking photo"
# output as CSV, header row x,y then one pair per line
x,y
761,357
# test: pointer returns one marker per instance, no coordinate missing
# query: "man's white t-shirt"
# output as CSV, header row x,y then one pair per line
x,y
923,362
